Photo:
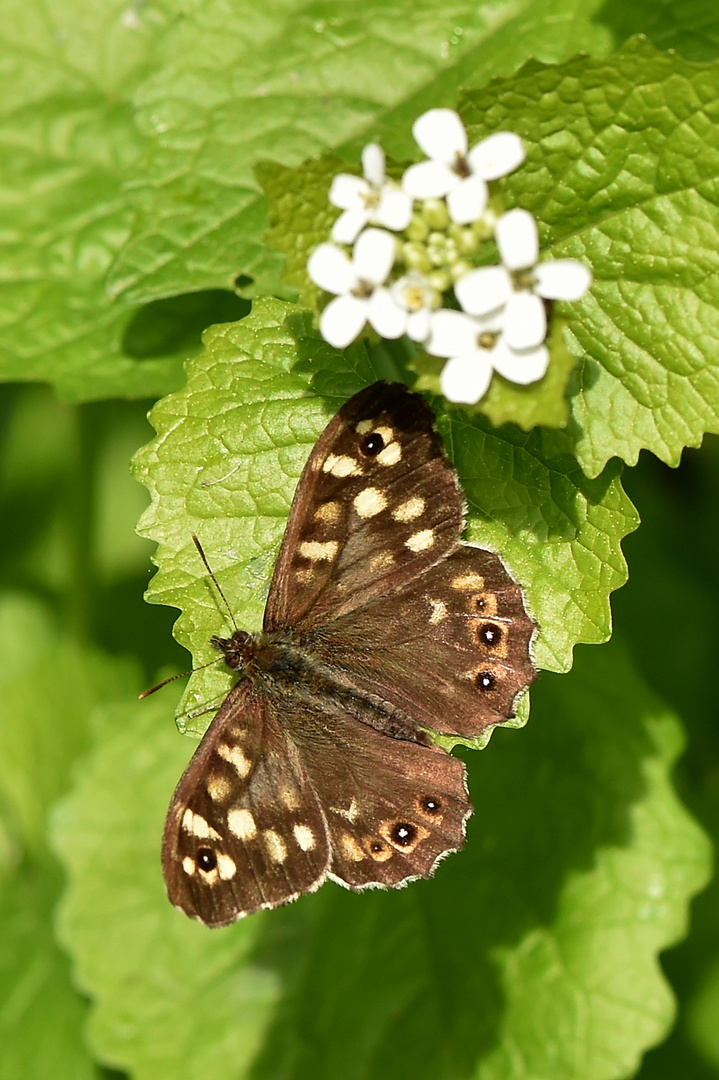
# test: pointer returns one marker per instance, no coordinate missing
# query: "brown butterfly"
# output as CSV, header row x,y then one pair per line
x,y
380,625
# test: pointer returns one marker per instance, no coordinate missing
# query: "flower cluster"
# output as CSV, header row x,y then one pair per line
x,y
412,268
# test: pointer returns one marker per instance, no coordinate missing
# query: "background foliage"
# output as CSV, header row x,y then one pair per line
x,y
145,149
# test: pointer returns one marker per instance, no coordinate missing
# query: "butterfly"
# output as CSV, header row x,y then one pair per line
x,y
380,627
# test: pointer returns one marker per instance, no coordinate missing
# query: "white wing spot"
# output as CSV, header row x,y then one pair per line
x,y
305,574
312,549
408,511
218,786
369,502
468,581
188,865
420,541
341,466
391,454
328,512
439,611
304,837
351,848
364,427
276,848
241,824
225,866
197,825
235,757
289,799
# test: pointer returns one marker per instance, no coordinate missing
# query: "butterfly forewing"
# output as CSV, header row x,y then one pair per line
x,y
244,830
376,504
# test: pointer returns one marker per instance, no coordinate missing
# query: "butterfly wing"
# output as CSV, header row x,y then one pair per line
x,y
244,830
452,650
376,505
393,808
280,793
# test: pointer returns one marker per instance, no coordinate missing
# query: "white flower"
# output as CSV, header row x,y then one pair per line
x,y
416,299
453,172
477,347
357,283
372,199
519,284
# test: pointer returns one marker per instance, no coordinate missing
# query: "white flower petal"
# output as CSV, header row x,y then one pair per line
x,y
467,200
517,239
465,378
419,324
331,268
348,192
440,133
395,208
373,164
520,367
342,320
429,180
564,279
349,225
525,321
373,256
388,319
452,334
497,155
483,290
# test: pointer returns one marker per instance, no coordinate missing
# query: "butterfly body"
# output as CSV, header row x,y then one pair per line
x,y
380,626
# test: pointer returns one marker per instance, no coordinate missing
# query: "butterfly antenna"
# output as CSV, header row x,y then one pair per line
x,y
182,675
216,583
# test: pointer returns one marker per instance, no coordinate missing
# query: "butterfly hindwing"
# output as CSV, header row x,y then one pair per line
x,y
376,504
393,807
244,830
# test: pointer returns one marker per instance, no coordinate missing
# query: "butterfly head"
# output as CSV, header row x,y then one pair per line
x,y
237,650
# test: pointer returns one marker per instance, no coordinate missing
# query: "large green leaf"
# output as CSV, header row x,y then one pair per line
x,y
230,448
44,729
531,953
239,84
621,173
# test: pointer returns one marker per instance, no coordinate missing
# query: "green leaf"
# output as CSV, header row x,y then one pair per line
x,y
69,141
290,84
44,730
643,342
44,724
620,172
536,945
231,446
41,1015
145,962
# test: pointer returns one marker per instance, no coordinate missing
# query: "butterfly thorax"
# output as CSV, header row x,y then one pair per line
x,y
262,655
287,661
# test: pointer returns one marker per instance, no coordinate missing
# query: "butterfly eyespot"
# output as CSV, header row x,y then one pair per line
x,y
403,834
430,805
206,859
485,680
378,850
490,635
372,444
